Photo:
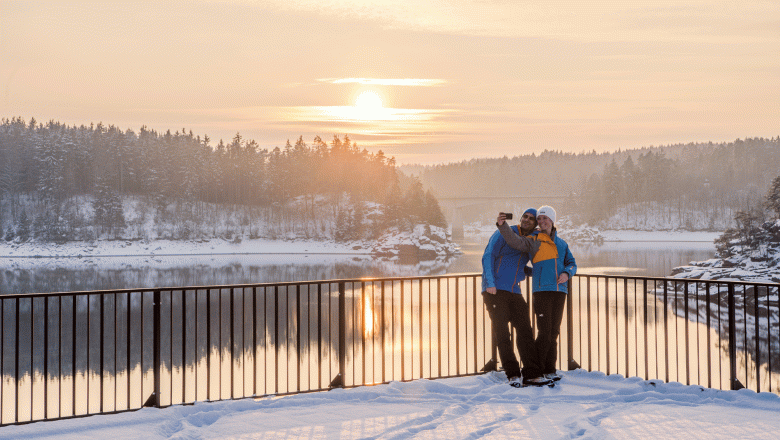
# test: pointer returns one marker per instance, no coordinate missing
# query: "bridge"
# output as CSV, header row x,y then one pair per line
x,y
457,208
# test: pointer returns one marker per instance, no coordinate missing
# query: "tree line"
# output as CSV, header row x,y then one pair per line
x,y
757,230
693,185
60,183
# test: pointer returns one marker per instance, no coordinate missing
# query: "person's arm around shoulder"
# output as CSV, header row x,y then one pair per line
x,y
515,241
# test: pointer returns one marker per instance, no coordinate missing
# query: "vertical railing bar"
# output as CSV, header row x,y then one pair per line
x,y
420,345
102,353
45,358
89,346
16,354
362,308
457,326
59,358
769,332
276,339
342,333
232,341
647,351
757,336
209,349
474,311
625,331
403,340
2,358
73,356
382,326
242,346
319,336
655,323
438,319
157,348
579,320
569,325
636,330
129,351
183,346
698,350
666,330
685,325
170,344
745,333
195,357
606,319
298,326
590,325
116,351
221,345
732,337
255,348
720,339
707,286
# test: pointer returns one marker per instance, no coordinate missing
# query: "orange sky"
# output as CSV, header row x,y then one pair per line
x,y
457,79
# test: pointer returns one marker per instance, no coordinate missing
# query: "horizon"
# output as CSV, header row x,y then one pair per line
x,y
427,84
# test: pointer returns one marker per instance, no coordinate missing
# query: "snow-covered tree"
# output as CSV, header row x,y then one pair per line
x,y
773,196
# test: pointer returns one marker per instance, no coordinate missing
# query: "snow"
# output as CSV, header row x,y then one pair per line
x,y
583,404
177,247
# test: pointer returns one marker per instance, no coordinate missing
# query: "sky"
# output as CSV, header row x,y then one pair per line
x,y
582,405
424,81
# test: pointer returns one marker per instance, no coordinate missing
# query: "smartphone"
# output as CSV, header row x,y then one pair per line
x,y
508,215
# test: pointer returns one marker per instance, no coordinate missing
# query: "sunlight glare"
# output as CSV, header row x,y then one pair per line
x,y
368,100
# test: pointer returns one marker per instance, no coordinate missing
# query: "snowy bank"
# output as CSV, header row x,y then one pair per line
x,y
427,243
584,404
588,234
759,262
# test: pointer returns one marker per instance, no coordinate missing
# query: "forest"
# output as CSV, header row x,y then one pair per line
x,y
61,183
695,186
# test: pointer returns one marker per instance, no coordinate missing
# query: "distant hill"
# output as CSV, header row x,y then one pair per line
x,y
708,179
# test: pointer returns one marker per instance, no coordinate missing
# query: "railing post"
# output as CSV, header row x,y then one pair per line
x,y
571,364
734,382
338,381
157,345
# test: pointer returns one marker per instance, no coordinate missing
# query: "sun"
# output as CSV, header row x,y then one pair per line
x,y
368,100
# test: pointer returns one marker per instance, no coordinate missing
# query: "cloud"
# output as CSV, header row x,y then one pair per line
x,y
386,81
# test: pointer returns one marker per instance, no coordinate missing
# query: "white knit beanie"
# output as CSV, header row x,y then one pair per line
x,y
546,210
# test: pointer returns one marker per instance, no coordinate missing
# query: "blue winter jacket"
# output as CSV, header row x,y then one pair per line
x,y
552,259
502,266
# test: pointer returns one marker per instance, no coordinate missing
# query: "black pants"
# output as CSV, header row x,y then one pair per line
x,y
507,308
548,308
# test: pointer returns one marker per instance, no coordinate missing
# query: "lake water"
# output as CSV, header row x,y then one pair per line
x,y
42,275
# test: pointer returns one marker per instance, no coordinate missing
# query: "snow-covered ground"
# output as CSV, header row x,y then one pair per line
x,y
430,242
584,404
178,247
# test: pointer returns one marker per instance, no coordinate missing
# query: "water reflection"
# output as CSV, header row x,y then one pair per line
x,y
230,342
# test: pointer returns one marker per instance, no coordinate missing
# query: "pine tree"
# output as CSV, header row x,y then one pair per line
x,y
23,228
773,196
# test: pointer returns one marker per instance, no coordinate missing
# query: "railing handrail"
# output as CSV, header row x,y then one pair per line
x,y
366,279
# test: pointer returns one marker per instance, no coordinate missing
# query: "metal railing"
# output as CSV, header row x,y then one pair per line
x,y
717,334
81,353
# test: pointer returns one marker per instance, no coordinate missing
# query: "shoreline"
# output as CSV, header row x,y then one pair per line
x,y
221,247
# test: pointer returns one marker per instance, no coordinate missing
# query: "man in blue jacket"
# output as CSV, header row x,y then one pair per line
x,y
503,270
